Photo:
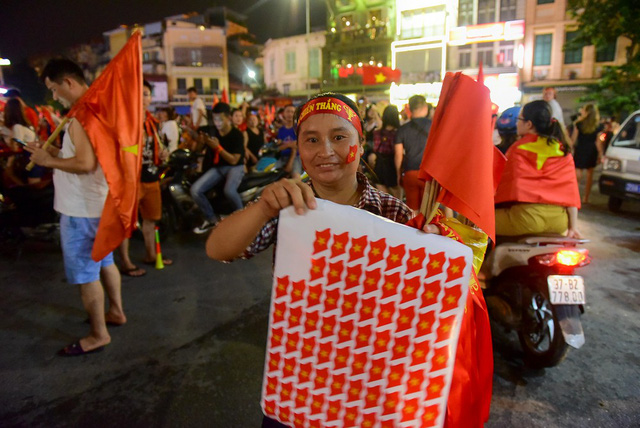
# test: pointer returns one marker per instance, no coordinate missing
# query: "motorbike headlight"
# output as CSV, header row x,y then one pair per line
x,y
613,165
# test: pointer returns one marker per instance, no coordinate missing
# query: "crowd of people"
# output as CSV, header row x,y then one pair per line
x,y
363,154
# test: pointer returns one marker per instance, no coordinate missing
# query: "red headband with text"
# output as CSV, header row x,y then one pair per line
x,y
329,105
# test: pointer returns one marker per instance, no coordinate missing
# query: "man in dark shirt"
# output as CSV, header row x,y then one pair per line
x,y
411,140
225,159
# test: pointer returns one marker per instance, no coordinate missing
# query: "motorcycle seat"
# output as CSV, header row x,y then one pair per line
x,y
540,239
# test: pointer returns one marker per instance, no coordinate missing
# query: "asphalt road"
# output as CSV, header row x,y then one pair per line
x,y
192,353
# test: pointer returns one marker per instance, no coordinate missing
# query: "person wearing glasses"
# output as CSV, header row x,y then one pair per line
x,y
538,192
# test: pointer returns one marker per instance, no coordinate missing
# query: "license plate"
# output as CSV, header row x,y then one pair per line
x,y
632,187
566,290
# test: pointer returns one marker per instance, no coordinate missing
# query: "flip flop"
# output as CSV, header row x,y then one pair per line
x,y
134,272
75,349
166,262
109,323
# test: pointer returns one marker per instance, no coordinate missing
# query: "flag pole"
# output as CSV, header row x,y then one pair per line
x,y
50,140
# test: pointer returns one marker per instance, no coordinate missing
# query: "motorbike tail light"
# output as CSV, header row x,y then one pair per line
x,y
569,258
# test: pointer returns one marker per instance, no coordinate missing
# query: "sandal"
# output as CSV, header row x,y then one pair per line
x,y
134,272
166,262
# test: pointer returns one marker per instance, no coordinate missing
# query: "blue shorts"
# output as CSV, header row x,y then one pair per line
x,y
76,236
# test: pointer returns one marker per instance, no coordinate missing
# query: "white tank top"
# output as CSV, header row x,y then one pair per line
x,y
78,195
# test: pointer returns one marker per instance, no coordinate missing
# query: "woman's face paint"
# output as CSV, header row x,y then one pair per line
x,y
353,151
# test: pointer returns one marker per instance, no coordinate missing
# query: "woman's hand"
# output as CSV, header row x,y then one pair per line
x,y
574,233
284,193
431,228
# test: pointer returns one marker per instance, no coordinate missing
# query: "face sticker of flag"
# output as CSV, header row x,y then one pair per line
x,y
364,322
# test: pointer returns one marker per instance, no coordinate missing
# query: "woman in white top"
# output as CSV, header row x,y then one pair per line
x,y
14,120
169,130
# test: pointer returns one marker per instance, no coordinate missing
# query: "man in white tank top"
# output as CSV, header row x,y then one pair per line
x,y
80,193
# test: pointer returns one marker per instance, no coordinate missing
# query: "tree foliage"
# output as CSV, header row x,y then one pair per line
x,y
602,22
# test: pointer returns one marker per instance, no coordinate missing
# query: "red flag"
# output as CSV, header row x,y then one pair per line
x,y
380,75
313,298
539,172
436,263
354,391
410,290
311,322
342,354
322,241
225,97
304,376
317,268
381,344
339,244
328,325
345,331
415,260
400,347
358,246
334,408
278,313
455,268
308,346
376,253
368,306
359,363
353,276
416,379
430,296
395,257
391,283
294,316
405,318
430,416
335,272
282,287
297,290
390,403
436,384
111,114
216,100
363,336
331,299
349,303
372,278
451,296
425,323
337,384
469,187
419,354
272,384
320,378
289,367
440,358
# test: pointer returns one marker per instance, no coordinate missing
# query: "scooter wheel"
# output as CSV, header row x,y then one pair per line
x,y
540,335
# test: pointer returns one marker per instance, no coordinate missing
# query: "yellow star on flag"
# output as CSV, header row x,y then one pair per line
x,y
380,78
543,150
131,149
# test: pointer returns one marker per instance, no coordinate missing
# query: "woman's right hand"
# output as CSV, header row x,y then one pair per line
x,y
284,193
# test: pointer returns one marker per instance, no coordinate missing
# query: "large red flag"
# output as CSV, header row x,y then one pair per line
x,y
379,75
225,96
460,154
111,113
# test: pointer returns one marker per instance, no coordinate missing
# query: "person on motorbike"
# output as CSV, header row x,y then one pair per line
x,y
538,192
225,159
507,128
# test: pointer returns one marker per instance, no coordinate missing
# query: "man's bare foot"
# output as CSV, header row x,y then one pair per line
x,y
91,343
115,318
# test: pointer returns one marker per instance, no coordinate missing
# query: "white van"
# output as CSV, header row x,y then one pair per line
x,y
620,177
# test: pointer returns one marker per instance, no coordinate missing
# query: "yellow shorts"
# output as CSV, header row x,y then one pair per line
x,y
531,219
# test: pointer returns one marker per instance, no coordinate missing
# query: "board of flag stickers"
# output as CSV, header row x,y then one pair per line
x,y
364,321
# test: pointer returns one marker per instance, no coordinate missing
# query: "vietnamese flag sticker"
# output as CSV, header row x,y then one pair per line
x,y
353,150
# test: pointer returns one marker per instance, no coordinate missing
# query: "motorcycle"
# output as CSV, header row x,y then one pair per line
x,y
180,211
532,288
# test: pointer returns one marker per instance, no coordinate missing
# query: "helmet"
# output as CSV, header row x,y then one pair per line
x,y
506,124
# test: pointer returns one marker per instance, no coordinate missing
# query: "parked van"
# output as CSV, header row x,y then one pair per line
x,y
620,177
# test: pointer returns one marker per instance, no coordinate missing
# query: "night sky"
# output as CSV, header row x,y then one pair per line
x,y
29,27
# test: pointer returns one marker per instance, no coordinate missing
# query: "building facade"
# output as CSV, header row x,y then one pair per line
x,y
293,65
359,34
545,63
